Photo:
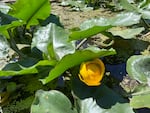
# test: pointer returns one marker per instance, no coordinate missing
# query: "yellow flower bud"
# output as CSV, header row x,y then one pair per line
x,y
92,72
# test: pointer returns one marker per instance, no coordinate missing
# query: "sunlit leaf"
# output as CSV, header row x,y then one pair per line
x,y
4,8
30,11
94,26
145,13
4,28
138,67
144,3
75,59
53,39
128,6
27,66
76,35
126,33
51,102
140,101
94,22
125,19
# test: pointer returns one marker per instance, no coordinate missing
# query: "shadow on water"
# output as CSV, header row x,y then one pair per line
x,y
102,95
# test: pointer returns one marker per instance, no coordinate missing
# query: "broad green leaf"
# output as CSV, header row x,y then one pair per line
x,y
30,11
53,41
140,101
4,28
125,19
145,13
95,26
126,5
90,28
51,102
27,66
75,59
144,3
138,68
126,33
76,35
98,99
94,22
140,96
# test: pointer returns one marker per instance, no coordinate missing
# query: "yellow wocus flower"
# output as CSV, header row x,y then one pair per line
x,y
92,72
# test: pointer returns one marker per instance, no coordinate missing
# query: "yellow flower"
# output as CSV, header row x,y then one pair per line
x,y
92,72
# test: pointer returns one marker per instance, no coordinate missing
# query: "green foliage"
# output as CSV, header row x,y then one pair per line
x,y
27,66
79,57
126,33
138,68
51,101
99,99
19,106
53,54
30,11
141,8
95,26
51,42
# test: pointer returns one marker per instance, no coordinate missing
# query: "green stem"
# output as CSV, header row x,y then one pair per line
x,y
14,46
146,25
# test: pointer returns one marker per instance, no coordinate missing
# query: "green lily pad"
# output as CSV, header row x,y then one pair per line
x,y
51,102
126,33
138,67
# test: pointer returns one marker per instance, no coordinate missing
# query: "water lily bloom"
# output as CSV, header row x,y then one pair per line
x,y
92,72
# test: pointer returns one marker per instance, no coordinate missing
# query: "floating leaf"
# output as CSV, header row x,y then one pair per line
x,y
95,26
49,40
99,99
140,101
75,59
145,13
138,67
126,33
125,19
128,6
51,102
30,11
